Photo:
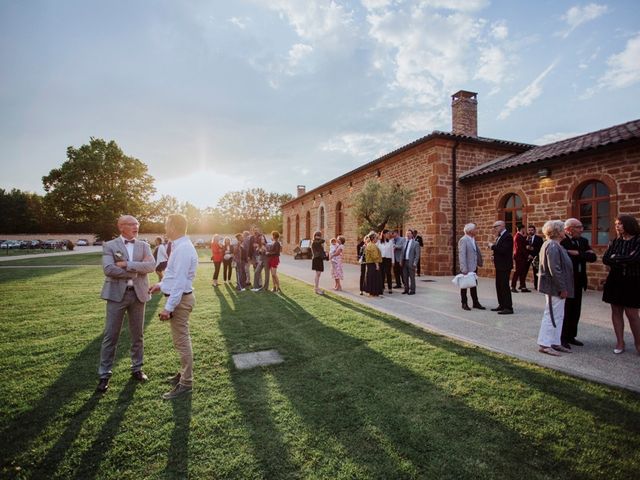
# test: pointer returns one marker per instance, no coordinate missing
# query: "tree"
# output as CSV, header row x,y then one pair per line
x,y
252,207
96,185
379,205
22,212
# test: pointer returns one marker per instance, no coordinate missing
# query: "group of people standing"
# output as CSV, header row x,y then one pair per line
x,y
560,272
250,249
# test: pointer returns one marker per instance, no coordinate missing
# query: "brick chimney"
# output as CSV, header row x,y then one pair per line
x,y
464,113
301,190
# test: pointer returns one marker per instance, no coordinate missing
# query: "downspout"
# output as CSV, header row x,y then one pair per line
x,y
454,206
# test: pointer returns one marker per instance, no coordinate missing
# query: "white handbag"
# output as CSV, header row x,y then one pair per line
x,y
469,280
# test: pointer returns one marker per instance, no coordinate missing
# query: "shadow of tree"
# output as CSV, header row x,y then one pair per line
x,y
381,419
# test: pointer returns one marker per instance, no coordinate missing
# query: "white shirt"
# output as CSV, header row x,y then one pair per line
x,y
180,272
162,254
386,249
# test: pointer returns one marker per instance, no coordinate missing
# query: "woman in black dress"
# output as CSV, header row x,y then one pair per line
x,y
363,266
373,258
317,259
622,287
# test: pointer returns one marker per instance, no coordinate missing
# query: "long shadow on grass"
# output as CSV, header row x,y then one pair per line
x,y
268,444
362,413
75,378
178,455
605,409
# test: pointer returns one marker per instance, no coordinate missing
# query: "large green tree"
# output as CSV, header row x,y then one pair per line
x,y
96,184
379,205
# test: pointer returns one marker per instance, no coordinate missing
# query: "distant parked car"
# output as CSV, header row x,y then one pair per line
x,y
82,242
200,243
51,244
35,243
97,243
10,244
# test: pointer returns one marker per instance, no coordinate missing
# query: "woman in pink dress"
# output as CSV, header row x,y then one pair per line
x,y
336,261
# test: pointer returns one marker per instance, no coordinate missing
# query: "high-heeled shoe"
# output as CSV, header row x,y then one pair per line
x,y
618,351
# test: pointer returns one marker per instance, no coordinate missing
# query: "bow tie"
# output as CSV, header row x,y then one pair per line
x,y
129,241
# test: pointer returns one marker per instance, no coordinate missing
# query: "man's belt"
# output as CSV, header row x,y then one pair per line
x,y
185,293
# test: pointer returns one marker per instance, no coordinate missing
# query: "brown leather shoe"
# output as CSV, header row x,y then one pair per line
x,y
139,376
175,380
103,385
176,392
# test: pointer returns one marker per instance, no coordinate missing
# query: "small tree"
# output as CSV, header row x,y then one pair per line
x,y
379,205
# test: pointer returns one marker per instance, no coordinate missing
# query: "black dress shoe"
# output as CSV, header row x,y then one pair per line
x,y
103,385
525,290
506,311
497,309
575,342
412,293
514,290
478,306
139,375
565,345
404,292
465,306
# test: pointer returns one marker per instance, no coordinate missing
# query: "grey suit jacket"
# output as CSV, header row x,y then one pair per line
x,y
115,282
470,258
398,248
414,254
556,270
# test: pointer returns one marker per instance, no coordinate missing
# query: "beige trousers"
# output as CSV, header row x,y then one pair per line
x,y
182,338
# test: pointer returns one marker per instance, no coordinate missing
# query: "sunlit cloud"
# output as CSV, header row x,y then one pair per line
x,y
527,95
579,15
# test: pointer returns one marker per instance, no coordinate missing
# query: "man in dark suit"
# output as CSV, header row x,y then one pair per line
x,y
580,252
410,259
126,263
502,250
534,244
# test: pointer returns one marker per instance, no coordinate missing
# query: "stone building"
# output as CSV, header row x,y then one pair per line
x,y
459,177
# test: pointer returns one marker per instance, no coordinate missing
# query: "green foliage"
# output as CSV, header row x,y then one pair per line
x,y
96,185
22,212
379,205
255,206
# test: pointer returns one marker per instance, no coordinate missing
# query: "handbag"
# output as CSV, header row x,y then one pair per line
x,y
469,280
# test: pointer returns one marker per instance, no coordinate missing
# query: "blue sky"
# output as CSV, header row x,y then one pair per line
x,y
217,96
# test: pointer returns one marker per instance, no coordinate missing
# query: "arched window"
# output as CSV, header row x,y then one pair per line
x,y
288,229
307,229
321,220
593,206
297,229
339,219
512,212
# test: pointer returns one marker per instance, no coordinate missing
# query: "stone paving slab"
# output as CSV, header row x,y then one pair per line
x,y
245,361
436,307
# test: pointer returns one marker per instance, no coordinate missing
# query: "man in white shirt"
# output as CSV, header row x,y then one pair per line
x,y
177,286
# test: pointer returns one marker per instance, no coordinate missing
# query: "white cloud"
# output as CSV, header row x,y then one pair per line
x,y
241,23
493,65
314,19
555,137
297,54
527,95
499,30
624,67
579,15
365,146
374,4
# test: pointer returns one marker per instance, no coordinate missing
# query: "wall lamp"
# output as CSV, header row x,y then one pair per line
x,y
544,173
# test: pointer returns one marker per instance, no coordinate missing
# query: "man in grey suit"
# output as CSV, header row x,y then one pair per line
x,y
470,259
398,247
410,258
126,263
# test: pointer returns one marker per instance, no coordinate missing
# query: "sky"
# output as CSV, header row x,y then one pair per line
x,y
216,96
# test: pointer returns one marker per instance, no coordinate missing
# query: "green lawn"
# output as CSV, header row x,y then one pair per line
x,y
360,395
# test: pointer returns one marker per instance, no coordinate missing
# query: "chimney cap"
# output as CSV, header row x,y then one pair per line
x,y
464,94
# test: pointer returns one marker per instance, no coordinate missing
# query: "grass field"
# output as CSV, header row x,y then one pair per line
x,y
360,395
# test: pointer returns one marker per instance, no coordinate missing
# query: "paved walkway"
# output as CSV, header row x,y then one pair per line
x,y
436,307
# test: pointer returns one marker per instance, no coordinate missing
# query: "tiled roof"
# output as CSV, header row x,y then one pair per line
x,y
607,136
490,142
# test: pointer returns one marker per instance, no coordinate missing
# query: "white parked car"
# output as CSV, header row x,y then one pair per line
x,y
82,242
